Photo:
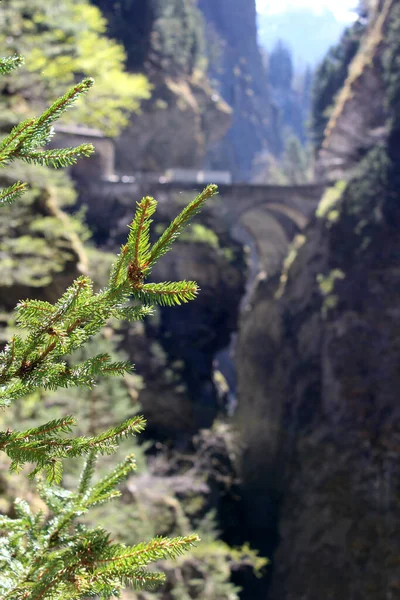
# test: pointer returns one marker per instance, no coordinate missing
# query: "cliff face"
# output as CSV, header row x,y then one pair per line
x,y
175,127
318,375
190,122
360,115
184,116
231,31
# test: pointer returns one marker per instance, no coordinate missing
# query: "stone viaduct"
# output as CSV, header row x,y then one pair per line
x,y
267,216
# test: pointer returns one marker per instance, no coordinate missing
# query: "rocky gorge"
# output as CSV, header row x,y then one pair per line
x,y
317,360
306,470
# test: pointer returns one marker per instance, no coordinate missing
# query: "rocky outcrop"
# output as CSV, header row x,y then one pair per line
x,y
358,121
175,127
238,69
185,115
318,380
220,120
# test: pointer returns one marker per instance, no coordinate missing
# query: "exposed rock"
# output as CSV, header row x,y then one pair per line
x,y
185,115
175,127
358,121
318,381
339,432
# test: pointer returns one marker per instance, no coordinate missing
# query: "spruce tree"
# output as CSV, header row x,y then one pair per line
x,y
53,555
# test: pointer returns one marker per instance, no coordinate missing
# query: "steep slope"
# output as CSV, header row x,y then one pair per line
x,y
238,70
184,115
318,375
359,117
175,127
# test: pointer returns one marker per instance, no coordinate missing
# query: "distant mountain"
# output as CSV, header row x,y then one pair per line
x,y
308,34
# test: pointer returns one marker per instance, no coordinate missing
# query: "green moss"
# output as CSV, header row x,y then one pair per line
x,y
199,234
294,248
327,286
327,282
327,208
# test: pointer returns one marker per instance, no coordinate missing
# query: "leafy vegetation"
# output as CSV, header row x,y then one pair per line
x,y
62,42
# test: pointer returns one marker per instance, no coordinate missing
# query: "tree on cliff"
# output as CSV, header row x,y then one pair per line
x,y
51,554
329,79
62,42
158,34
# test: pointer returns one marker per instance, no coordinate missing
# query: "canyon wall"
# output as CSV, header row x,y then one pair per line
x,y
318,359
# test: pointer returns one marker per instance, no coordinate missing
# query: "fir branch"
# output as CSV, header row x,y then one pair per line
x,y
142,554
56,110
164,243
133,313
63,425
87,473
168,293
31,134
57,558
10,63
139,235
117,274
12,193
101,491
10,142
80,314
33,313
42,447
134,425
59,158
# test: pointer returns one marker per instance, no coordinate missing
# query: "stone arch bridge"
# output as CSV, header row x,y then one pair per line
x,y
264,217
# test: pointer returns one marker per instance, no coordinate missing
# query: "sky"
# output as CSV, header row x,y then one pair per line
x,y
340,8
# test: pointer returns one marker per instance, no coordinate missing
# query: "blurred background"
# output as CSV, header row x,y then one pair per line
x,y
272,400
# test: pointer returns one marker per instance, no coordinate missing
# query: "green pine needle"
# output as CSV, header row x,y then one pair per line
x,y
133,313
168,293
60,158
165,242
139,235
10,63
12,193
54,112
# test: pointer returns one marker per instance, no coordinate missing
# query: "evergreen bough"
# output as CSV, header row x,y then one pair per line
x,y
58,557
